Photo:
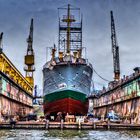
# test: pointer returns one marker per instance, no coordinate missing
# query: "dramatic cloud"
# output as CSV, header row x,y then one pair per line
x,y
15,18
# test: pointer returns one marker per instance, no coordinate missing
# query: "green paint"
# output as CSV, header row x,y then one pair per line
x,y
138,88
3,85
132,87
65,94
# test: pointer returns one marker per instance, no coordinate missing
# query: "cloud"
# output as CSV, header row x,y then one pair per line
x,y
15,18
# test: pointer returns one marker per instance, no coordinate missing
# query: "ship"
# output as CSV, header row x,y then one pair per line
x,y
67,76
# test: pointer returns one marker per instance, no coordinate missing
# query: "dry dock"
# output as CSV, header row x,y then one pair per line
x,y
68,125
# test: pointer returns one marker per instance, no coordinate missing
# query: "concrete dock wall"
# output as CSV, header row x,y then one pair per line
x,y
65,125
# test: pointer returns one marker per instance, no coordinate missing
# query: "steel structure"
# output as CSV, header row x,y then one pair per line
x,y
16,92
29,57
70,33
7,67
115,50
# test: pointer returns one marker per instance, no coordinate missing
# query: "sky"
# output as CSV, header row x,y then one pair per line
x,y
15,16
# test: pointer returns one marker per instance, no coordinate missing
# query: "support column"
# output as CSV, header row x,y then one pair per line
x,y
0,107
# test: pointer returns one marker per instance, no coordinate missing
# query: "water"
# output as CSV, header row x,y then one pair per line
x,y
68,135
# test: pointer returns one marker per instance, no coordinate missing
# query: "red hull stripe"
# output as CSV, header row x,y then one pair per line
x,y
66,105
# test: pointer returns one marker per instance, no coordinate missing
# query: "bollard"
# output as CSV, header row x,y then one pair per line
x,y
108,125
79,124
12,126
94,125
12,123
47,124
61,126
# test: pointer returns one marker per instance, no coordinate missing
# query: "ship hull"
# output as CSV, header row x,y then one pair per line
x,y
66,101
66,88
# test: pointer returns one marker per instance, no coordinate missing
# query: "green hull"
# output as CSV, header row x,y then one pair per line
x,y
64,94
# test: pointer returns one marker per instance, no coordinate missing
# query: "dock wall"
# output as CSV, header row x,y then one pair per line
x,y
127,110
65,125
14,100
123,99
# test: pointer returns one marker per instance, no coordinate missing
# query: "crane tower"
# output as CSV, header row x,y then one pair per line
x,y
115,50
29,57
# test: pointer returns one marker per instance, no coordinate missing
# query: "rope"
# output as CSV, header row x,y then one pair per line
x,y
100,76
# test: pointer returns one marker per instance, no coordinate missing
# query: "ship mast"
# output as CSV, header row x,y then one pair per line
x,y
70,32
68,20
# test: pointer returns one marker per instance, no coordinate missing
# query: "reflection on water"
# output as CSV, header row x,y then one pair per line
x,y
68,135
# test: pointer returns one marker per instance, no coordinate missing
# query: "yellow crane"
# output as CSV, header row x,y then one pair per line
x,y
29,58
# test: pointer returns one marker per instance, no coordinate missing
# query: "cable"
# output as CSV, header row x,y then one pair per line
x,y
100,76
98,83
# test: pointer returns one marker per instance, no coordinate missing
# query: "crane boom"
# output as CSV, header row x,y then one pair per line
x,y
30,38
1,36
115,50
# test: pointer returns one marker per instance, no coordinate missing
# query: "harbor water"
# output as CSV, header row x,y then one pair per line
x,y
13,134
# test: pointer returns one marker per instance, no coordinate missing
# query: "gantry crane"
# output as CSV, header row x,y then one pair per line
x,y
29,57
115,50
